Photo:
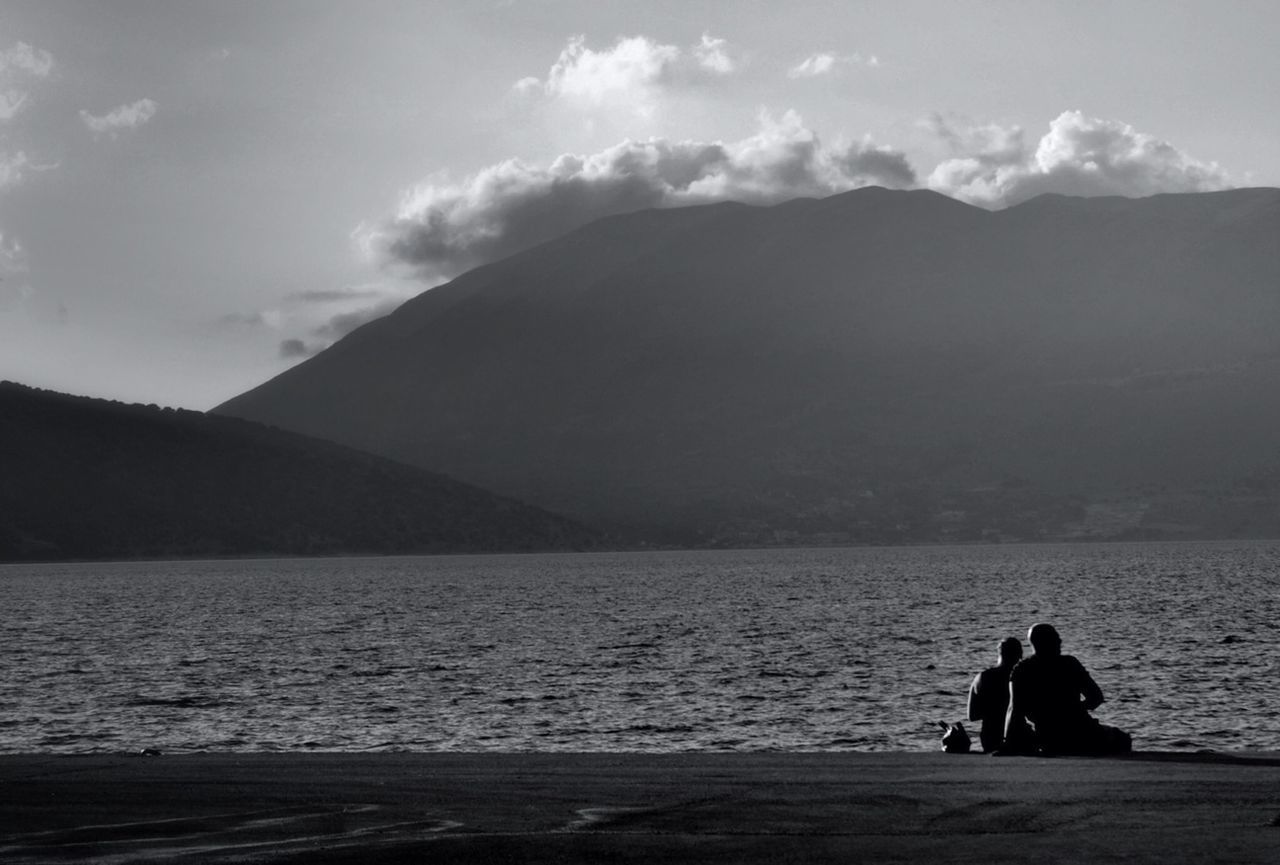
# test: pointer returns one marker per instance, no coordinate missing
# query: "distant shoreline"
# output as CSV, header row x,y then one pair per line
x,y
266,557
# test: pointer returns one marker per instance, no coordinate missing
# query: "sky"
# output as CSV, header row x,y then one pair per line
x,y
195,196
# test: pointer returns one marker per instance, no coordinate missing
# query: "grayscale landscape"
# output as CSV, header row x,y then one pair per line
x,y
668,431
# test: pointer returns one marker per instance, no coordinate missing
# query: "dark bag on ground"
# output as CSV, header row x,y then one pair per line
x,y
954,738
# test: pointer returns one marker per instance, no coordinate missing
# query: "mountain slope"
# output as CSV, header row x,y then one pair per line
x,y
873,366
86,478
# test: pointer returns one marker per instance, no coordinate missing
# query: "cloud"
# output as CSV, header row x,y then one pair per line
x,y
120,119
343,323
336,327
444,228
313,319
13,272
17,63
826,63
321,311
291,348
12,168
813,66
713,55
25,58
630,73
631,66
991,143
995,167
13,258
11,102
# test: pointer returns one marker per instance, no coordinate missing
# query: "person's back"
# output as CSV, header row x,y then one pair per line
x,y
989,695
1055,694
1050,690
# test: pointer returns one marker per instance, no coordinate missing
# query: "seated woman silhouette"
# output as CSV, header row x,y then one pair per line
x,y
1055,693
989,694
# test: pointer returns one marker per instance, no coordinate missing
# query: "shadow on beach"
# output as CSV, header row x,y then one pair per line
x,y
1152,807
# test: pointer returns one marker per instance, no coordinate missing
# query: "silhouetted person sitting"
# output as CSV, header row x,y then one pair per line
x,y
989,694
1054,693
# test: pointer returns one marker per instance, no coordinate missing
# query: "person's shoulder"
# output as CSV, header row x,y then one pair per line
x,y
1073,665
986,676
1025,667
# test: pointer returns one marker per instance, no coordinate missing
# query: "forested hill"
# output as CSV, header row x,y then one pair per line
x,y
84,478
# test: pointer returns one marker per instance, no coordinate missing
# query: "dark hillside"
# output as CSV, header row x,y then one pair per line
x,y
85,478
876,366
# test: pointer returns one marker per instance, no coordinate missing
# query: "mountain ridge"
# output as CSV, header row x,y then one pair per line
x,y
735,373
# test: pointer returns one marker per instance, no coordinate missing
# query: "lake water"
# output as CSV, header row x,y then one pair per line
x,y
816,649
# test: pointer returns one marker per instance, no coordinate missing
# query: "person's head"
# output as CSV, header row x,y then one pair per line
x,y
1044,639
1010,651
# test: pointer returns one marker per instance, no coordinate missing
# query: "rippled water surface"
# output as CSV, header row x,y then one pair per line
x,y
794,649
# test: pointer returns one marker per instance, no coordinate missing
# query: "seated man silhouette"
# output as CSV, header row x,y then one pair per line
x,y
989,694
1054,693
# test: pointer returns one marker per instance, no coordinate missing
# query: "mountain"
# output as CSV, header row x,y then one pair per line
x,y
86,478
877,366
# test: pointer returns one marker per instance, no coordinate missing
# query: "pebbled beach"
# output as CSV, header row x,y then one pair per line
x,y
696,807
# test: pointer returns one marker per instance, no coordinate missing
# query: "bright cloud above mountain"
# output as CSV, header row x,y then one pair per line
x,y
1079,155
443,228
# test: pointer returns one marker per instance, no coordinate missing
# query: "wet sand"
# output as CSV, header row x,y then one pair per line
x,y
714,808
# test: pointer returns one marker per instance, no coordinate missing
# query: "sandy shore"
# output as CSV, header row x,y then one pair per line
x,y
731,808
